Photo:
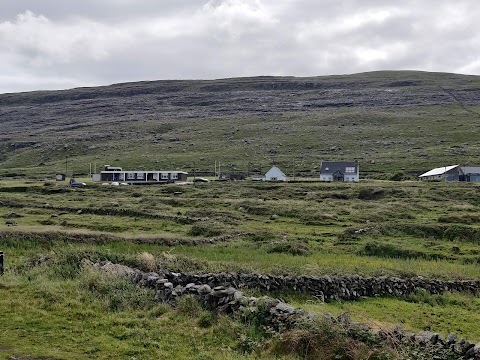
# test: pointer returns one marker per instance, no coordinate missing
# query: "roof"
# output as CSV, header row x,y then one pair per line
x,y
331,167
276,170
438,171
467,170
143,171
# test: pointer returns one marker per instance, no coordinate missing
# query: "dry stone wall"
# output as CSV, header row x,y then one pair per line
x,y
329,287
280,316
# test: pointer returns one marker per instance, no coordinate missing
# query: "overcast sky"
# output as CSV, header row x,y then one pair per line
x,y
57,44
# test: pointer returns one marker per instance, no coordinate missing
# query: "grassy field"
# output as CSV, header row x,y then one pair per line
x,y
56,308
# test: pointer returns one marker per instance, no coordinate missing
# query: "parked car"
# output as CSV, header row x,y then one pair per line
x,y
74,183
199,179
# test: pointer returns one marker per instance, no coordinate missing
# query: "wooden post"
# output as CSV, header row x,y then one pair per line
x,y
1,262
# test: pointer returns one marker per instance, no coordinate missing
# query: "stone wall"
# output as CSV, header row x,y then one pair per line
x,y
280,316
329,287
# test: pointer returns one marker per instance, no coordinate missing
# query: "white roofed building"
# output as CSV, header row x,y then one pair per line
x,y
453,173
441,173
275,174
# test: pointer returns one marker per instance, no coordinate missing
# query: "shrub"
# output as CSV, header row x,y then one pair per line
x,y
205,229
370,194
206,319
390,251
147,261
117,293
398,176
289,248
322,339
189,305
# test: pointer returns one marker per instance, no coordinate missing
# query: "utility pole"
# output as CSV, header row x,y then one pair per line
x,y
66,164
1,262
293,169
194,174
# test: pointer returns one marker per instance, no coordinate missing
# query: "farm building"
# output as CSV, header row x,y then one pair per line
x,y
275,174
343,171
117,174
453,173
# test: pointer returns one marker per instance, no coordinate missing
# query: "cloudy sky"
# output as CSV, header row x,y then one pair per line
x,y
57,44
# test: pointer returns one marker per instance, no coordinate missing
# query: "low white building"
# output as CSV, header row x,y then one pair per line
x,y
343,171
275,174
441,173
453,173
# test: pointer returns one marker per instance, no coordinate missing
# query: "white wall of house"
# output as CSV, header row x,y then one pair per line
x,y
346,177
275,174
352,178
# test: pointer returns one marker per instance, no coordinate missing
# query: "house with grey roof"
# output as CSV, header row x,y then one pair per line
x,y
343,171
453,173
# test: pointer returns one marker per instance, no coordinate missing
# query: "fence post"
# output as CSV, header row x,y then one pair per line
x,y
1,262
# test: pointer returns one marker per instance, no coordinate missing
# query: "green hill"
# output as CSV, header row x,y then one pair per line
x,y
388,120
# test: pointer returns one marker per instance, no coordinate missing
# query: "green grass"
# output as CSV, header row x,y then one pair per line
x,y
413,228
86,316
457,313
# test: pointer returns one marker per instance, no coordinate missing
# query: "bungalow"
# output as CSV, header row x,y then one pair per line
x,y
117,174
453,173
343,171
275,174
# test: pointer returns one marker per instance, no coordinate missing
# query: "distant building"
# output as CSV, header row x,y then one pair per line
x,y
343,171
275,174
117,174
233,176
453,173
60,177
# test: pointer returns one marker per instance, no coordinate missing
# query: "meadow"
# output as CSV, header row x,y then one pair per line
x,y
373,228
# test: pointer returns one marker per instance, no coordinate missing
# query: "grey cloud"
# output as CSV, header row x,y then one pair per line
x,y
63,44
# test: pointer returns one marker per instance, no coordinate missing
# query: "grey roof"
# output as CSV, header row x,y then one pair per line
x,y
331,167
467,170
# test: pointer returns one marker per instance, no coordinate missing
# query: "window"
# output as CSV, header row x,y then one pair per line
x,y
140,176
164,176
327,168
350,169
174,176
130,176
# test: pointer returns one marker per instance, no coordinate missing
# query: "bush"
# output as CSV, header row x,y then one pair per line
x,y
370,194
322,339
398,176
147,262
205,229
390,251
117,293
189,305
289,248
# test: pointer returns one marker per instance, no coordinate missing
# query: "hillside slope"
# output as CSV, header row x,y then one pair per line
x,y
387,120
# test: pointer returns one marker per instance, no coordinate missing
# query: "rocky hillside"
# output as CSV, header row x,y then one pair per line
x,y
389,121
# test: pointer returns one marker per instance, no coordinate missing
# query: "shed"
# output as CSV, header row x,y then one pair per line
x,y
275,174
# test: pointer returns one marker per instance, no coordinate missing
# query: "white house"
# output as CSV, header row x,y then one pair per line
x,y
344,171
275,174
